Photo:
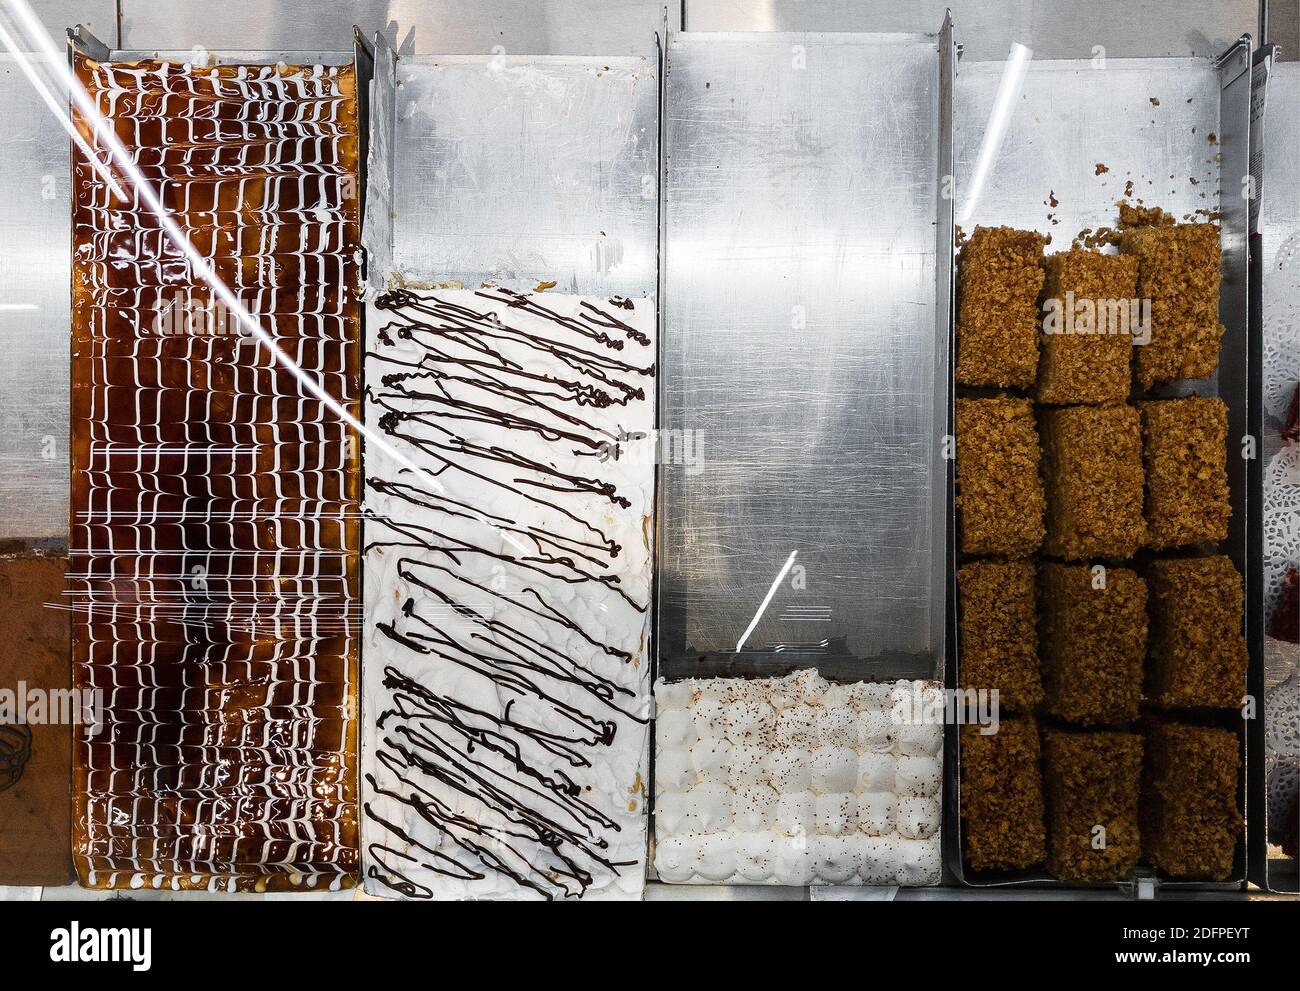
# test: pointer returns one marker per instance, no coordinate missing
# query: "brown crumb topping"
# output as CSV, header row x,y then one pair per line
x,y
999,493
1178,270
1002,796
999,639
1198,652
1092,468
1190,819
1092,783
1001,276
1091,364
1093,641
1184,443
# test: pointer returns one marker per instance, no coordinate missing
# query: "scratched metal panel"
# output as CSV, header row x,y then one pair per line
x,y
34,302
798,351
561,27
34,313
377,221
986,28
100,16
1073,116
524,169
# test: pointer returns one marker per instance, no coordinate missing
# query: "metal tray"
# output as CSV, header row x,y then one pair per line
x,y
35,269
1072,117
804,344
509,180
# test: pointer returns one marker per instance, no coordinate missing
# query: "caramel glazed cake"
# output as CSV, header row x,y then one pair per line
x,y
507,589
215,542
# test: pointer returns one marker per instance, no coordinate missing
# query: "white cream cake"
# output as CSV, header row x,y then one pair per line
x,y
798,781
507,594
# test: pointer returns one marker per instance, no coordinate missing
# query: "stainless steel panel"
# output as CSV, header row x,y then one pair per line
x,y
987,28
100,16
1284,27
1238,385
523,169
559,27
1073,116
377,224
799,351
35,273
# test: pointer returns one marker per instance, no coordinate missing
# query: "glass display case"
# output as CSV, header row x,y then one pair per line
x,y
623,450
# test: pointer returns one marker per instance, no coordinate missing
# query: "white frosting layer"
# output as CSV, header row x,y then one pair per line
x,y
507,598
797,781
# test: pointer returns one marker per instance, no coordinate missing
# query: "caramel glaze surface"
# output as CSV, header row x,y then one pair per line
x,y
214,527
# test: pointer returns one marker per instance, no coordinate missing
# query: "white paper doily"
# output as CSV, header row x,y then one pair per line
x,y
1282,719
1281,331
1281,522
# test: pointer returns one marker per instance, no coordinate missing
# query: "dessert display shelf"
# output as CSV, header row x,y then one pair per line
x,y
655,525
801,510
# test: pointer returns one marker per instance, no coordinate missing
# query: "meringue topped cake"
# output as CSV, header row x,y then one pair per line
x,y
797,781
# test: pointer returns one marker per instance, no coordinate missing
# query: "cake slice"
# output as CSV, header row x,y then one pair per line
x,y
1092,783
1002,796
1092,638
999,638
1087,353
1198,650
1092,471
1184,446
999,494
1178,270
1000,275
1190,815
798,781
508,594
215,514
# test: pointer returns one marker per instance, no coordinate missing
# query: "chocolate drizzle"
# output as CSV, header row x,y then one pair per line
x,y
510,598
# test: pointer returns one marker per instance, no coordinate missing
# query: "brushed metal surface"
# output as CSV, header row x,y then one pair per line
x,y
524,169
540,27
987,28
799,350
377,222
1073,116
100,16
35,272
